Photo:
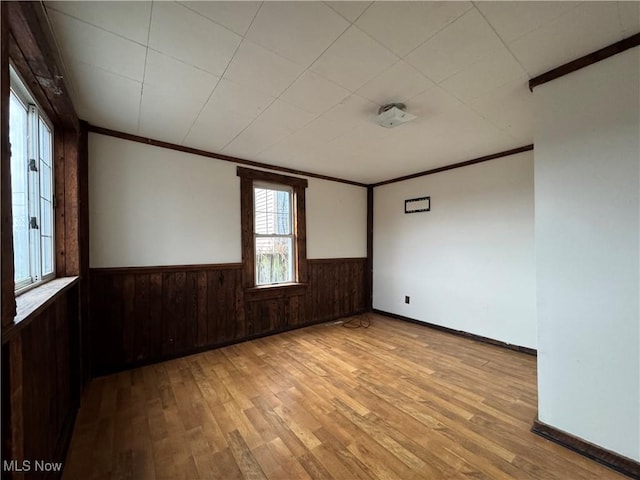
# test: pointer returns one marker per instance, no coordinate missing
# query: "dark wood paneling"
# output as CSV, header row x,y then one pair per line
x,y
7,302
453,166
271,177
141,317
585,61
41,385
611,459
41,351
247,238
369,266
33,52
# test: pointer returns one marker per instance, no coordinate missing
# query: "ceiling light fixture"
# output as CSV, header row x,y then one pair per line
x,y
393,114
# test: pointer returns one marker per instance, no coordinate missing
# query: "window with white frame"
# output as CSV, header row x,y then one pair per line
x,y
274,234
31,138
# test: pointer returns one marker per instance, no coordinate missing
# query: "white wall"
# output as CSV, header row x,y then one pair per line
x,y
336,220
587,166
152,206
468,264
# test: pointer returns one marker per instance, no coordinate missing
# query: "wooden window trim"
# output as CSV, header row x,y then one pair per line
x,y
247,178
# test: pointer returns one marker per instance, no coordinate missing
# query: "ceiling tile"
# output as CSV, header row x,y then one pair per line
x,y
318,133
229,110
510,108
353,59
160,95
313,93
231,97
396,84
365,138
261,69
299,31
432,106
482,95
84,43
455,47
127,19
402,26
183,34
308,148
582,30
155,123
350,112
512,20
277,122
489,73
213,129
285,115
349,10
105,99
256,137
629,14
235,16
168,72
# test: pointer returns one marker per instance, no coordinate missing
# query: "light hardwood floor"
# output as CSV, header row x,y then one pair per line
x,y
394,401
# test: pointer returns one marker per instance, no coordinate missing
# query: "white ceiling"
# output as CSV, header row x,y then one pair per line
x,y
298,84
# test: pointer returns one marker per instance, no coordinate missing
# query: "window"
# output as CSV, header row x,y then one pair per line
x,y
273,231
273,228
31,140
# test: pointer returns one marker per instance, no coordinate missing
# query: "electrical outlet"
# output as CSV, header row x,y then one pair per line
x,y
407,299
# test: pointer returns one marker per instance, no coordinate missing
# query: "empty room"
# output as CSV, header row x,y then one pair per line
x,y
320,240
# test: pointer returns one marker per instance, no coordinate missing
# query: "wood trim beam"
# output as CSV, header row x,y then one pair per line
x,y
271,177
163,269
68,202
246,222
585,61
217,156
486,158
300,222
369,271
33,52
6,219
320,261
615,461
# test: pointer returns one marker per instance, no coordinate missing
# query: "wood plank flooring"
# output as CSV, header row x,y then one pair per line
x,y
393,401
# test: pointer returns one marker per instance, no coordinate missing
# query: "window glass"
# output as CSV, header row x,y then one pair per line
x,y
19,189
273,230
31,188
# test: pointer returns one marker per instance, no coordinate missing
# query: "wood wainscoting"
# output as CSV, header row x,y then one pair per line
x,y
141,315
41,386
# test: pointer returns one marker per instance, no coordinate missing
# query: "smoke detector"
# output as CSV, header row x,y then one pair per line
x,y
393,114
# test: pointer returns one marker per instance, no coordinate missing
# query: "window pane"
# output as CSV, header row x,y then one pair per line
x,y
46,236
46,197
45,142
46,244
19,188
272,211
274,260
44,167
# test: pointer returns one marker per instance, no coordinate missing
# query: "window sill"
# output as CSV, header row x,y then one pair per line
x,y
30,303
276,291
